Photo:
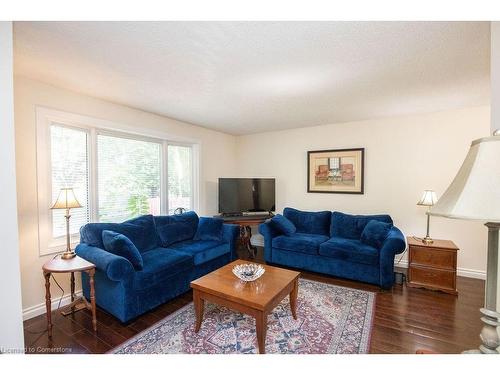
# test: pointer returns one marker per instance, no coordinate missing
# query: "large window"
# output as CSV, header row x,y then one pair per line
x,y
115,175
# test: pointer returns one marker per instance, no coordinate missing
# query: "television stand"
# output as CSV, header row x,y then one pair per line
x,y
245,223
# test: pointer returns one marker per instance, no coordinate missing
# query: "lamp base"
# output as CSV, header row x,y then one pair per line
x,y
491,319
427,240
68,254
489,335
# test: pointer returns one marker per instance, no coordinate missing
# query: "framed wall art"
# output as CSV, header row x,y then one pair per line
x,y
336,171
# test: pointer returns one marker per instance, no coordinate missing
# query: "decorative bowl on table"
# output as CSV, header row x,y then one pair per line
x,y
249,271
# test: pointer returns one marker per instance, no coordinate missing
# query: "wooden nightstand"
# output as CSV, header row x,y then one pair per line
x,y
432,266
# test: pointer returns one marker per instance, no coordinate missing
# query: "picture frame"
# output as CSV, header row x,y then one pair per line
x,y
337,171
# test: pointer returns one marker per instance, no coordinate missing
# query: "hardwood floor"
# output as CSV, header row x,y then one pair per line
x,y
406,319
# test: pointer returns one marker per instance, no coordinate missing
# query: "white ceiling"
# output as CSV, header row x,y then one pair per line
x,y
249,77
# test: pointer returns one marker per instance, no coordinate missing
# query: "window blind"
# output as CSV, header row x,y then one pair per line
x,y
69,169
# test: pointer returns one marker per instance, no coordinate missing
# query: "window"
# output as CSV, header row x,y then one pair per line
x,y
128,176
116,175
180,178
69,168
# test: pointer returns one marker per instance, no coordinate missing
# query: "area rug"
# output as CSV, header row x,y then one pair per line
x,y
331,319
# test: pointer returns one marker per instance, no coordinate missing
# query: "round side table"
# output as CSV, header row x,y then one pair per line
x,y
76,264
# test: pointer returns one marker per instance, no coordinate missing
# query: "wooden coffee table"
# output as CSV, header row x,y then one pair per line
x,y
257,298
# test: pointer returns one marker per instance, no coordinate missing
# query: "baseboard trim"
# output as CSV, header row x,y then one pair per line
x,y
32,311
465,272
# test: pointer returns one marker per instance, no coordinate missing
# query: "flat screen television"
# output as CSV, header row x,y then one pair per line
x,y
240,195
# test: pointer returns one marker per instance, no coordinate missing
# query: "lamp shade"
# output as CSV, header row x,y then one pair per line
x,y
429,198
66,199
474,194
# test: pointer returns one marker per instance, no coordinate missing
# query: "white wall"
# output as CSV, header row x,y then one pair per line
x,y
11,325
403,156
217,159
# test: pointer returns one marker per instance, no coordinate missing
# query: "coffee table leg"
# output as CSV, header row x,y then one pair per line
x,y
199,306
48,303
293,298
261,326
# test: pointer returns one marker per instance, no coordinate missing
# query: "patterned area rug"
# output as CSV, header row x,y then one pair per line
x,y
331,319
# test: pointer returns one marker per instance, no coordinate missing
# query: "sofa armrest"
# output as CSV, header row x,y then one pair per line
x,y
269,233
231,233
395,243
115,267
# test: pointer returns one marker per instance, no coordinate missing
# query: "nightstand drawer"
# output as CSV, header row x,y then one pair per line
x,y
434,278
432,257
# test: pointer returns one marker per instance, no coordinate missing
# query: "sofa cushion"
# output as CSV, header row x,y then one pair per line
x,y
202,251
282,225
309,222
375,233
121,245
351,226
300,242
160,264
209,229
176,228
353,251
140,230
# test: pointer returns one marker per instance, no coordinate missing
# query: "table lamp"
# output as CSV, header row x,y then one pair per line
x,y
428,199
67,200
474,194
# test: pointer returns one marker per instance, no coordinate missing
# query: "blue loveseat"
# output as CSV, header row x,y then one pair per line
x,y
174,250
335,243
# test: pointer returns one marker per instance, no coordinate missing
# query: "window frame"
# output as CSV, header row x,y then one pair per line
x,y
46,117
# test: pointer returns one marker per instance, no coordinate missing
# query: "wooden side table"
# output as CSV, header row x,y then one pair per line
x,y
76,264
433,266
245,223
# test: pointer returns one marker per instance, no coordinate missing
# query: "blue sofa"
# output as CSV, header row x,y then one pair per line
x,y
174,250
334,243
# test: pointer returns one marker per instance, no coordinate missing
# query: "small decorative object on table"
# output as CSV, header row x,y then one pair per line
x,y
428,199
249,271
179,211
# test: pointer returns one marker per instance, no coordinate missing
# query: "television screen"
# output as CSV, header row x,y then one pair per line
x,y
238,195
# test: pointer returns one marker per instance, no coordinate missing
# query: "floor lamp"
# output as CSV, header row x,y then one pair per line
x,y
474,194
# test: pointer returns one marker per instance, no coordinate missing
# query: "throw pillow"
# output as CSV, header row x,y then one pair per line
x,y
375,233
176,228
140,230
209,229
283,225
119,244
